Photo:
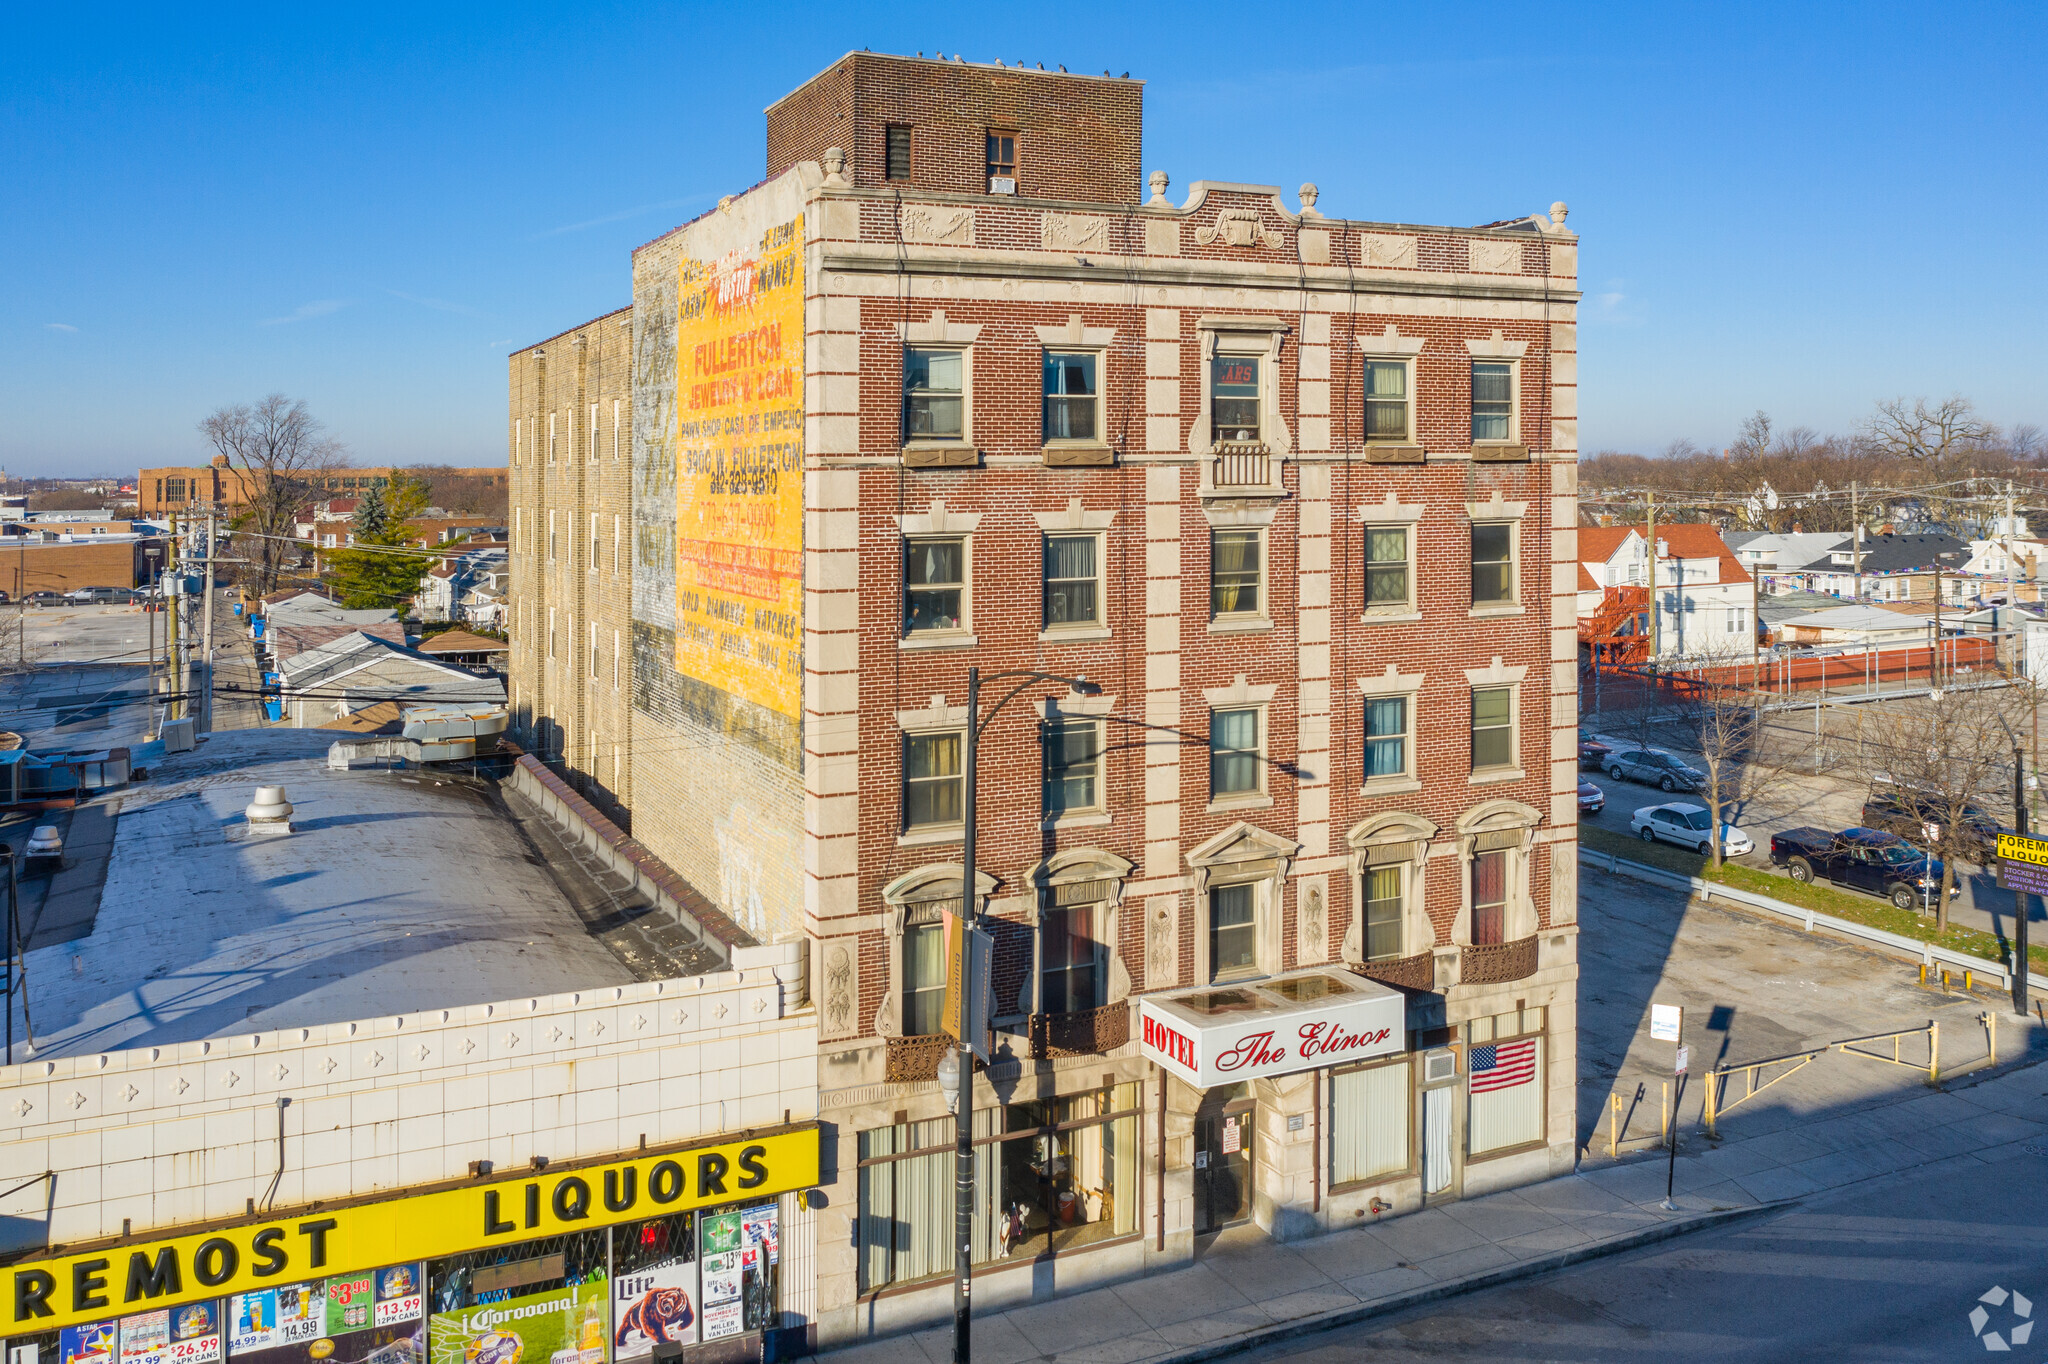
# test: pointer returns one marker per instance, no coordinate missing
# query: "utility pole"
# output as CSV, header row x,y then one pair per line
x,y
1855,543
175,710
2019,897
1656,639
2012,583
206,634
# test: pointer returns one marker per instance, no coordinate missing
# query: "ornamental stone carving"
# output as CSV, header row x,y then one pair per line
x,y
1162,942
1312,932
931,225
1386,251
1238,227
1074,232
840,1012
1497,258
1158,181
835,166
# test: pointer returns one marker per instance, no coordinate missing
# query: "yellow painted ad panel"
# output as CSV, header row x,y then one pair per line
x,y
739,469
120,1280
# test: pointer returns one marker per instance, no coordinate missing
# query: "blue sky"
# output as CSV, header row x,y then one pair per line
x,y
1801,208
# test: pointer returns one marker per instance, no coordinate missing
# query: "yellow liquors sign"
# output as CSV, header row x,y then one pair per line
x,y
91,1285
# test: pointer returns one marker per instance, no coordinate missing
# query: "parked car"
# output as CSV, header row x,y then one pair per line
x,y
1592,752
1688,825
85,595
1896,811
1654,767
44,599
1868,860
1592,800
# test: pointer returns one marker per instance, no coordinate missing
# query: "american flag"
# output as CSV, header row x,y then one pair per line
x,y
1503,1065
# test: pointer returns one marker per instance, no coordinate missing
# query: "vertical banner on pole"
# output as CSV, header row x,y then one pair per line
x,y
965,1013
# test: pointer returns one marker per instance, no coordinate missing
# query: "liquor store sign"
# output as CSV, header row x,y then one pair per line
x,y
2023,863
125,1279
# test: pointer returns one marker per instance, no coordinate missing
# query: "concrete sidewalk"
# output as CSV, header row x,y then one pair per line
x,y
1246,1290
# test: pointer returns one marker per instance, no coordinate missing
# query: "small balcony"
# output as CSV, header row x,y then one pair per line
x,y
1406,973
1241,464
1498,963
912,1059
1083,1032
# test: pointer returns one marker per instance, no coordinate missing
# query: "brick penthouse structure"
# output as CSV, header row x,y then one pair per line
x,y
173,488
1284,901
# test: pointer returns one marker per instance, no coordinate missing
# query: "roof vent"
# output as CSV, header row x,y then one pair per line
x,y
269,807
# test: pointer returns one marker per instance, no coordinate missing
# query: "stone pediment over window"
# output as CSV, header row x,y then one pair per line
x,y
1498,816
1242,848
937,883
1078,865
1395,828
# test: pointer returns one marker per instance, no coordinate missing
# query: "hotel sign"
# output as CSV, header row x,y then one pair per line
x,y
1227,1033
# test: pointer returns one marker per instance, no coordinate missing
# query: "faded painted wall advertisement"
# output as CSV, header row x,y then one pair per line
x,y
739,469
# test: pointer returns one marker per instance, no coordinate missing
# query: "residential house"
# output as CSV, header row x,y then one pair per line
x,y
360,669
1892,566
1704,602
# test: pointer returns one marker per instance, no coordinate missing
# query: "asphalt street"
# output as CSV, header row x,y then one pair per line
x,y
1887,1271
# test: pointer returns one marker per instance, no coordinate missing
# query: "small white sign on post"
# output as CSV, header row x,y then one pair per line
x,y
1684,1056
1664,1022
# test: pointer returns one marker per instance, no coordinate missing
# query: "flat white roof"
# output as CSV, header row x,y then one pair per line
x,y
394,892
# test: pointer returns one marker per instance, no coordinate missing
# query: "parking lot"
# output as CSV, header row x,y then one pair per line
x,y
1830,799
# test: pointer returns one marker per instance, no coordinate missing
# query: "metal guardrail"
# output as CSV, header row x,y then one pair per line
x,y
1926,953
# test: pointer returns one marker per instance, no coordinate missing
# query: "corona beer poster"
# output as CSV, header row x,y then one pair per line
x,y
739,469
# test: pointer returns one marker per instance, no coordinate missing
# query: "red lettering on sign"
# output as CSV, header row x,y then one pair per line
x,y
1255,1050
1330,1039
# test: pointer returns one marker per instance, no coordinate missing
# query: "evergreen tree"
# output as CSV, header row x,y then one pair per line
x,y
379,570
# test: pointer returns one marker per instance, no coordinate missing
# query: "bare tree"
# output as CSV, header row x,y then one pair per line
x,y
278,448
1716,711
1947,760
1929,436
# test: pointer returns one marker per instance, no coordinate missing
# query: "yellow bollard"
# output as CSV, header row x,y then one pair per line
x,y
1923,973
1614,1127
1933,1052
1664,1112
1967,975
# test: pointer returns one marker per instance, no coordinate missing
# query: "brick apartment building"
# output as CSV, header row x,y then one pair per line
x,y
1295,494
172,488
570,427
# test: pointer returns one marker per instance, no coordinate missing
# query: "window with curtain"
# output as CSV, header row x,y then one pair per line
x,y
1493,563
1070,580
1369,1122
1233,572
934,580
932,781
1049,1176
1073,765
1493,727
1071,959
1386,737
924,978
1383,906
1070,397
1504,1081
1386,401
1233,752
932,394
1489,897
1233,931
1493,401
1234,398
1386,566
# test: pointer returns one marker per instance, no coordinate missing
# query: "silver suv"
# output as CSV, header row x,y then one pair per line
x,y
1654,767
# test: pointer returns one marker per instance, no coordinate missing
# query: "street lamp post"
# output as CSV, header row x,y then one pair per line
x,y
963,1053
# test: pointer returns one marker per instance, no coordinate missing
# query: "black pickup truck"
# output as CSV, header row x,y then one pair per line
x,y
1863,859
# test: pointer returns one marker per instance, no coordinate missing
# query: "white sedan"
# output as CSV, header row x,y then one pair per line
x,y
1687,825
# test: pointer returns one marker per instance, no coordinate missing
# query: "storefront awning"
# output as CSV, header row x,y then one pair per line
x,y
1221,1034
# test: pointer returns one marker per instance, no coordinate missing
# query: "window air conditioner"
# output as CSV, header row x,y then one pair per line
x,y
1439,1067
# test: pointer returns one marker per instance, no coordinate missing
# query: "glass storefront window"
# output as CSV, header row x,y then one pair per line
x,y
1049,1175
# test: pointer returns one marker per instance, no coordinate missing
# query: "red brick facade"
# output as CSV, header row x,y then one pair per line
x,y
1077,136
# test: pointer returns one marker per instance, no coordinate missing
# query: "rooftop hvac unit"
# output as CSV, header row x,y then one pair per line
x,y
178,735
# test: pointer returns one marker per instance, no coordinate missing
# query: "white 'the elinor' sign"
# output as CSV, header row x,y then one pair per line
x,y
1229,1032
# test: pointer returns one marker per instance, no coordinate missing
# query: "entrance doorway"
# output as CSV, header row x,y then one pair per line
x,y
1223,1158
